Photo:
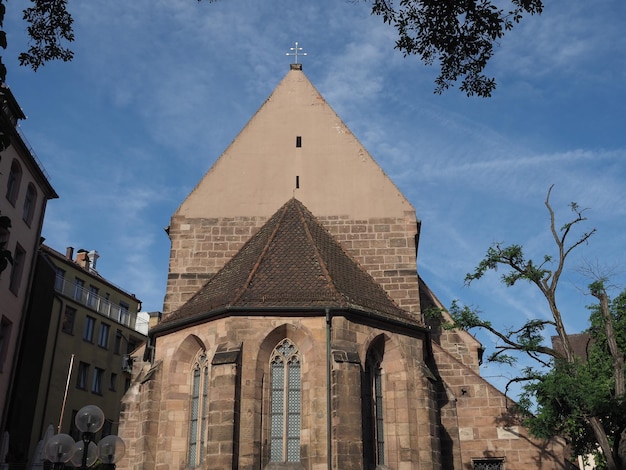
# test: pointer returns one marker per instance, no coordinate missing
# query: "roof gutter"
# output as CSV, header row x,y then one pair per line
x,y
179,324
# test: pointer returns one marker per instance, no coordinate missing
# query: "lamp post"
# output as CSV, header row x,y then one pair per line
x,y
59,450
89,421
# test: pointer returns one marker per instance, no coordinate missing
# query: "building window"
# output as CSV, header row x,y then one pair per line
x,y
199,410
113,382
298,141
68,320
59,280
117,345
13,185
126,384
103,337
285,398
29,204
74,431
488,464
96,384
90,323
131,345
374,435
124,315
83,374
92,296
107,428
5,335
19,258
79,287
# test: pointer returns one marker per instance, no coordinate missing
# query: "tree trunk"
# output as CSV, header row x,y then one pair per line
x,y
618,356
603,442
618,455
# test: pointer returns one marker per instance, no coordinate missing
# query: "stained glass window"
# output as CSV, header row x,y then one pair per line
x,y
285,396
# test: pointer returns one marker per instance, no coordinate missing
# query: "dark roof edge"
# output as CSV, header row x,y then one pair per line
x,y
176,325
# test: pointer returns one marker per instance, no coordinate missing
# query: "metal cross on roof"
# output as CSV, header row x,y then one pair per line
x,y
296,52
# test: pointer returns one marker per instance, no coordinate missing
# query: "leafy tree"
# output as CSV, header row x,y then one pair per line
x,y
584,401
5,255
589,386
49,26
459,35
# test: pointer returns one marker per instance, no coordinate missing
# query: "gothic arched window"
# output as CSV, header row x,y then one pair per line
x,y
29,204
199,410
374,436
13,184
285,398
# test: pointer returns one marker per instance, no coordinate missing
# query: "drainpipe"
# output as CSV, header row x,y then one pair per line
x,y
328,390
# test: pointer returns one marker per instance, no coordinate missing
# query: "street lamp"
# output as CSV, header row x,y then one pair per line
x,y
89,421
59,450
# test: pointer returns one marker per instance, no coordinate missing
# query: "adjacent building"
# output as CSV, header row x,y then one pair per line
x,y
293,332
24,192
78,350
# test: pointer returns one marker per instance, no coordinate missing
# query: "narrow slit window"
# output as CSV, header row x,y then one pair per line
x,y
198,419
297,182
373,400
298,141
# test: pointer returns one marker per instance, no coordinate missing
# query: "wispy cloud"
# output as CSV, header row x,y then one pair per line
x,y
159,88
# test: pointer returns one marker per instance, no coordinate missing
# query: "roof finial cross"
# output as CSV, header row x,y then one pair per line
x,y
296,52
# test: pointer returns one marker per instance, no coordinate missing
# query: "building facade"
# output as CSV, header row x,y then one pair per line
x,y
24,193
293,333
82,331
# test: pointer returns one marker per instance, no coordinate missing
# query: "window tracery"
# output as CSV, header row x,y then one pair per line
x,y
198,419
285,402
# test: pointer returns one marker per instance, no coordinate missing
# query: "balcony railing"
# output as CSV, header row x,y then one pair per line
x,y
103,306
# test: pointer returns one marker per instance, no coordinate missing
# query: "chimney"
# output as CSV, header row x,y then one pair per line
x,y
93,257
82,258
69,252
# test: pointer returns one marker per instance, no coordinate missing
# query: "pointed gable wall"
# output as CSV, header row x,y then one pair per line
x,y
295,146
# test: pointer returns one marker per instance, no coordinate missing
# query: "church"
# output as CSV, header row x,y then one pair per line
x,y
293,333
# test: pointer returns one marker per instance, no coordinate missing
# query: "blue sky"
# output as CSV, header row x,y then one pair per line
x,y
159,88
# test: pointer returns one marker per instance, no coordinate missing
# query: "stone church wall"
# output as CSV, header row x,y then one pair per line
x,y
157,430
385,247
482,418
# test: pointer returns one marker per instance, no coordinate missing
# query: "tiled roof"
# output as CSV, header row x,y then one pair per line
x,y
291,262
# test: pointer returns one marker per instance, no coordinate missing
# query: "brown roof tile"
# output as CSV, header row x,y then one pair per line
x,y
291,262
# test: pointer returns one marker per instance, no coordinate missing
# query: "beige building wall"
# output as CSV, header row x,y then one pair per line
x,y
91,331
21,240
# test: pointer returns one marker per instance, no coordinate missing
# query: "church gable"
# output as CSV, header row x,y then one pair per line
x,y
295,145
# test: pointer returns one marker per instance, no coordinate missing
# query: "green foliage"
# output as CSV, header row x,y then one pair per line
x,y
577,395
5,255
458,34
50,24
3,69
569,393
49,27
513,257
